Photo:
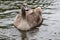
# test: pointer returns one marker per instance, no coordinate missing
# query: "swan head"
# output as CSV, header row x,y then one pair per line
x,y
25,6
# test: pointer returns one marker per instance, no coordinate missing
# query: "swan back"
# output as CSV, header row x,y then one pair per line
x,y
33,18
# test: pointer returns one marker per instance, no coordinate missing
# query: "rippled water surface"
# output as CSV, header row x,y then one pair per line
x,y
49,30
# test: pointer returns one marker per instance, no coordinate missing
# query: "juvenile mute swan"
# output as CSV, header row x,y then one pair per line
x,y
28,18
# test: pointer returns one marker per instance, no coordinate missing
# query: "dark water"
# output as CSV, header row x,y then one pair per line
x,y
49,30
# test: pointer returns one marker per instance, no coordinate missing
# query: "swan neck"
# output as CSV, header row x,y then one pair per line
x,y
23,13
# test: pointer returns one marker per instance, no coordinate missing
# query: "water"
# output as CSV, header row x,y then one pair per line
x,y
49,30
